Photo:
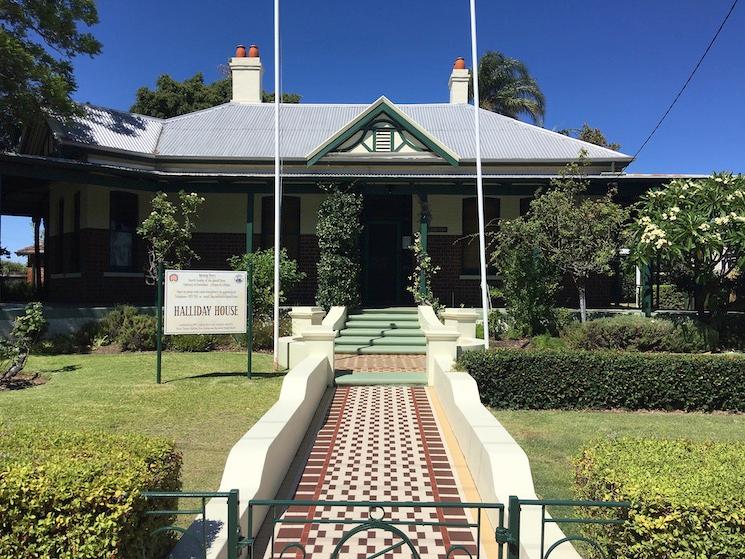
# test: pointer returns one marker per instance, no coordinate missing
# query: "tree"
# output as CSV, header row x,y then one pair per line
x,y
173,98
260,264
579,235
697,229
590,135
338,230
167,230
38,41
506,87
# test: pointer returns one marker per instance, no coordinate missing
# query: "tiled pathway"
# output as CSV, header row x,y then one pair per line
x,y
378,443
387,363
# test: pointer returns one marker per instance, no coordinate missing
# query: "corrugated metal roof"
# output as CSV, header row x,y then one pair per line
x,y
236,130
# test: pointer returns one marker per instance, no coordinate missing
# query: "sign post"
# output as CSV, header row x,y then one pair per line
x,y
159,319
202,302
249,317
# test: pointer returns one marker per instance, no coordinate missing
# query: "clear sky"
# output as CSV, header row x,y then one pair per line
x,y
615,65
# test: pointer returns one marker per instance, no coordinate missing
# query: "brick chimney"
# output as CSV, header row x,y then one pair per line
x,y
246,70
459,81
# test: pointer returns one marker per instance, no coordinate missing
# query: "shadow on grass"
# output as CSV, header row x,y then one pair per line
x,y
256,375
64,369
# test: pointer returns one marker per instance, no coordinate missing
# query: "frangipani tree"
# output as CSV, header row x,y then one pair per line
x,y
696,227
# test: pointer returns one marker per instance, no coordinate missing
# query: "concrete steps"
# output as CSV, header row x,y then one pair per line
x,y
382,379
386,331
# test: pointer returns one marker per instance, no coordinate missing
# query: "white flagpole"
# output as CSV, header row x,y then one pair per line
x,y
277,183
479,178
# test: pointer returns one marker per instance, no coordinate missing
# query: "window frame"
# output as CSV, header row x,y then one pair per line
x,y
124,198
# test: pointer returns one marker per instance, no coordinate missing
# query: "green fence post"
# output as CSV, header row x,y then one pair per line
x,y
513,517
423,234
233,528
250,317
159,319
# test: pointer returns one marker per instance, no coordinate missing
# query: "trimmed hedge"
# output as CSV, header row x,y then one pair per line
x,y
687,498
78,494
548,379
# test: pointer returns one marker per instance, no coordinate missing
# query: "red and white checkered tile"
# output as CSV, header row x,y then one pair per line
x,y
378,443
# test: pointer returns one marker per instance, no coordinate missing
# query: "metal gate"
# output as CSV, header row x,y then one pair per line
x,y
396,522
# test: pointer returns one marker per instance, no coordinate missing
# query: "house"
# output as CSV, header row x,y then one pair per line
x,y
91,181
34,263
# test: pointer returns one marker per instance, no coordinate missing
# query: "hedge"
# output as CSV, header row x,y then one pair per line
x,y
550,379
687,498
78,494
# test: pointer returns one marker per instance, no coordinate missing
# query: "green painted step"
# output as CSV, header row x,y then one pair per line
x,y
354,323
386,333
393,317
364,349
389,340
370,379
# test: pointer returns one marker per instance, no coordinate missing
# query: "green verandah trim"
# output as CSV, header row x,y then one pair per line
x,y
383,106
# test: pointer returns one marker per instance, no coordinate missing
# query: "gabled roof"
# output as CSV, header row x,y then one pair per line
x,y
382,107
246,131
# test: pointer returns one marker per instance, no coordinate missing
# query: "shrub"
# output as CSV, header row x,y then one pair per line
x,y
530,281
193,342
78,495
138,334
672,298
687,498
338,230
15,349
114,320
638,333
261,263
521,379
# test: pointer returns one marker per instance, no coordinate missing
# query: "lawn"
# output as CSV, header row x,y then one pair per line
x,y
205,403
552,439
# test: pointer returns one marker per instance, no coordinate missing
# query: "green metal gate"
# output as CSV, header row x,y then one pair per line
x,y
392,518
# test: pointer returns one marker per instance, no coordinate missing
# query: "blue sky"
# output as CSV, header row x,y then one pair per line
x,y
615,65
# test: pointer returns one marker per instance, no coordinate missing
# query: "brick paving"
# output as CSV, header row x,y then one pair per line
x,y
373,363
377,443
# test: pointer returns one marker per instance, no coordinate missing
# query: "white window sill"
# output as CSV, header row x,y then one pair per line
x,y
123,275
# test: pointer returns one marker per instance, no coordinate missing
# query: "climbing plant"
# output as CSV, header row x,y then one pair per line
x,y
338,230
420,280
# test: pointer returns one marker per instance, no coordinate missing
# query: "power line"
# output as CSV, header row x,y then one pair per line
x,y
690,77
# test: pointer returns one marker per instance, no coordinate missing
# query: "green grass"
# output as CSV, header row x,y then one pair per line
x,y
205,403
552,439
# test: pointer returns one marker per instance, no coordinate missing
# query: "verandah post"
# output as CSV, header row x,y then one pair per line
x,y
423,233
646,289
159,320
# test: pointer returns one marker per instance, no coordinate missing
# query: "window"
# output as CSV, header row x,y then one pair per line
x,y
525,205
75,248
471,261
290,234
123,220
60,257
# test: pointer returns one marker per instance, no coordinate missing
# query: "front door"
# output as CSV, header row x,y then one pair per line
x,y
383,265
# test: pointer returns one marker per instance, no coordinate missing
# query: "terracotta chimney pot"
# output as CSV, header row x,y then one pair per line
x,y
460,64
253,51
240,51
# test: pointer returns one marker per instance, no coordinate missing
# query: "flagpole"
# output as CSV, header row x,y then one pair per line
x,y
277,184
479,177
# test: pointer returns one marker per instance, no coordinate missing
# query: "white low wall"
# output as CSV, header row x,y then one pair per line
x,y
259,461
498,465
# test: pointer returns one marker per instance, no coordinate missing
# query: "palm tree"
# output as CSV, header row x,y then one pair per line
x,y
506,87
